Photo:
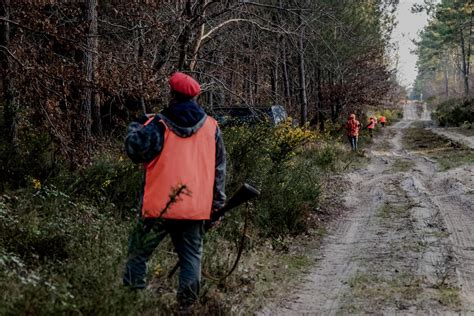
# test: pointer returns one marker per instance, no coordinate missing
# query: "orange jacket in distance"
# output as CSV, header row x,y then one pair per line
x,y
382,119
188,161
352,127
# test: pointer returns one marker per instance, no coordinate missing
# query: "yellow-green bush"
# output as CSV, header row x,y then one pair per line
x,y
276,159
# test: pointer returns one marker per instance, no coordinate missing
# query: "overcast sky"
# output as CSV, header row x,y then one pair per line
x,y
409,24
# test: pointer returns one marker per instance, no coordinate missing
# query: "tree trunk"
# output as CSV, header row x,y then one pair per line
x,y
255,82
196,47
274,81
90,51
302,77
453,65
332,99
138,60
446,79
284,72
94,38
319,99
338,100
10,108
183,44
464,66
220,90
183,39
210,101
469,50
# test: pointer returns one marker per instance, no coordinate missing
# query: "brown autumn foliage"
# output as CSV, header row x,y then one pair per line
x,y
80,71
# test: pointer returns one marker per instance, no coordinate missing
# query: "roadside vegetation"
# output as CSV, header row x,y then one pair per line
x,y
63,233
455,113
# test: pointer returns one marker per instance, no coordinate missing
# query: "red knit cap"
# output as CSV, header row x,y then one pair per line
x,y
184,84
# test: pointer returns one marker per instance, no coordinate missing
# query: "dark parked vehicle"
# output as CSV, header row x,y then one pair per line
x,y
227,116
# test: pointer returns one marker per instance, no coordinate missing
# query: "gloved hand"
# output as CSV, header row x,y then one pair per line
x,y
213,222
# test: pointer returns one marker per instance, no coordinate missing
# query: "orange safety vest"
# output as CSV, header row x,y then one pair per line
x,y
352,127
188,161
382,119
372,124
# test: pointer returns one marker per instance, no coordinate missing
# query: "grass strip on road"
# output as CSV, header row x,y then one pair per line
x,y
447,153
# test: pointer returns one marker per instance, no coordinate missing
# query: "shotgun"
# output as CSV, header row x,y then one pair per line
x,y
245,193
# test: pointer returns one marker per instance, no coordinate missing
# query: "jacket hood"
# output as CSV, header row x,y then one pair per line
x,y
183,118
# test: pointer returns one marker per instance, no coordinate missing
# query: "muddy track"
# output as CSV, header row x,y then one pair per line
x,y
406,244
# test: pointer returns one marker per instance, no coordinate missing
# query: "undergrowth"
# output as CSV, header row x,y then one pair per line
x,y
63,232
455,112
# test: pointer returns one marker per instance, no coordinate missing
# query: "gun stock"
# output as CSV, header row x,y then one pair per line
x,y
244,194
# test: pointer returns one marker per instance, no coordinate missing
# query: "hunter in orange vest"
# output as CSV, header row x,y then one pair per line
x,y
382,120
195,169
183,154
371,126
352,130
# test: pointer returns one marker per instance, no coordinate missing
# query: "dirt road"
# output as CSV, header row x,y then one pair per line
x,y
406,244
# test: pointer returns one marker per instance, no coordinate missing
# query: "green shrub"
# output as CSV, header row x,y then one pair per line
x,y
288,195
279,163
455,112
35,157
248,154
110,182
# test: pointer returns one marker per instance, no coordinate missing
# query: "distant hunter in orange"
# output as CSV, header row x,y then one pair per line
x,y
371,126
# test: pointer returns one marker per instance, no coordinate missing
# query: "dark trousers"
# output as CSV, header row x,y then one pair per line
x,y
186,236
353,142
371,132
383,124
